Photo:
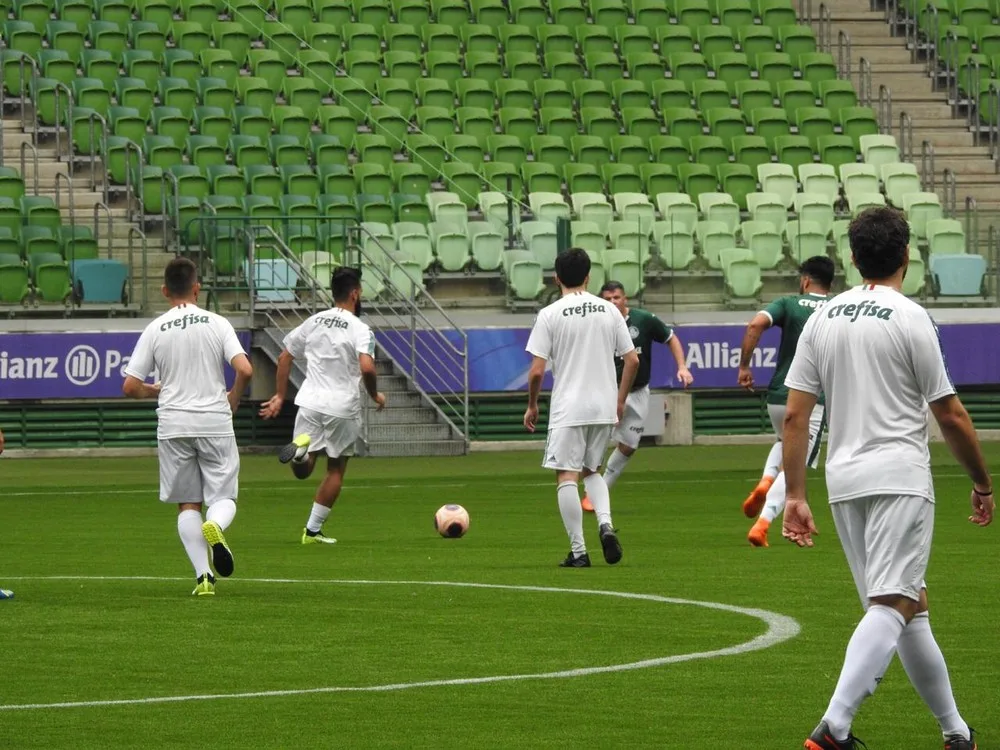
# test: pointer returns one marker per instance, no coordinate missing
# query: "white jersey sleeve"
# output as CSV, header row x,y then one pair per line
x,y
540,340
928,360
364,340
623,339
231,346
140,364
803,374
295,341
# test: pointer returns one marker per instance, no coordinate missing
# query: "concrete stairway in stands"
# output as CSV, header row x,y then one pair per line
x,y
912,92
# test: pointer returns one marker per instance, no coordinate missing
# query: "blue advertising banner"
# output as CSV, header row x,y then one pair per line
x,y
69,365
498,361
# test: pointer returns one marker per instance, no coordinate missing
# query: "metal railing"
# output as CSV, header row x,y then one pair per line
x,y
806,12
927,167
96,146
950,187
905,137
972,221
884,109
29,146
62,177
133,234
931,63
843,55
864,82
98,208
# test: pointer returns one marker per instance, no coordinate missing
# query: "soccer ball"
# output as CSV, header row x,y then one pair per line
x,y
451,521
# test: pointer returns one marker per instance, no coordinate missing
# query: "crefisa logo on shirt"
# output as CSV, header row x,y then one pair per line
x,y
583,310
331,322
183,322
866,308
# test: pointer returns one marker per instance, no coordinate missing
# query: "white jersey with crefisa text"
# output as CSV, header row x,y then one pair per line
x,y
331,342
580,335
877,356
189,348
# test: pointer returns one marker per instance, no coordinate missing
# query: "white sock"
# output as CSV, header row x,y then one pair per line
x,y
572,515
775,502
615,466
773,463
222,512
317,518
869,652
189,530
600,498
924,664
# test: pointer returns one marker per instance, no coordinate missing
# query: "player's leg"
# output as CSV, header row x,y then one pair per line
x,y
597,490
338,438
626,436
754,503
219,459
921,656
564,453
180,483
890,580
301,452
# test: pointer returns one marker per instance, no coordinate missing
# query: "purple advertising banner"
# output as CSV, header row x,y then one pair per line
x,y
69,365
498,362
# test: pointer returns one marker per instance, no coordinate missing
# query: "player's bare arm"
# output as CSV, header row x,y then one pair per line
x,y
629,369
535,374
751,338
367,364
138,389
798,524
272,407
960,435
244,372
684,375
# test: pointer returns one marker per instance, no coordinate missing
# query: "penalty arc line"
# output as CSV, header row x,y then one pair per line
x,y
780,628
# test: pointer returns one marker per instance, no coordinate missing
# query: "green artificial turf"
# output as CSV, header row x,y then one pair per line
x,y
69,636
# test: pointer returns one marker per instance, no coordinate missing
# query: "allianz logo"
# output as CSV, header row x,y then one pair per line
x,y
81,366
718,355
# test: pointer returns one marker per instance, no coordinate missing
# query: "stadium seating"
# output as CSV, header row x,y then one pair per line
x,y
658,125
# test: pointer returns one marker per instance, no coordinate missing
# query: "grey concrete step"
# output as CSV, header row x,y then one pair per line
x,y
424,448
394,414
404,433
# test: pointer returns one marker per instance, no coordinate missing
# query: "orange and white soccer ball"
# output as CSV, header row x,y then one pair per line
x,y
451,521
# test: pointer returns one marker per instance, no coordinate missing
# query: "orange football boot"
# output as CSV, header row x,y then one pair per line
x,y
586,504
758,533
754,503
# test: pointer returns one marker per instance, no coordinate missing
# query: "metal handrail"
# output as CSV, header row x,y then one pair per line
x,y
932,51
950,192
60,178
98,207
951,77
168,218
35,73
865,82
884,109
972,220
34,162
92,118
905,137
61,121
993,131
130,192
395,312
927,168
806,12
975,97
133,232
843,55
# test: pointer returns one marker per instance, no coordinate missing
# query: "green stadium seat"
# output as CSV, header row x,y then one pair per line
x,y
711,94
693,13
731,68
179,63
778,180
797,40
900,180
820,179
99,64
669,150
688,67
770,124
879,149
560,123
774,67
796,150
592,95
921,208
720,207
713,238
551,93
738,181
796,95
635,207
751,150
805,240
837,150
814,123
600,122
524,274
859,179
678,210
815,209
755,40
817,67
857,122
764,242
775,13
674,40
709,151
714,40
836,95
741,273
768,207
683,124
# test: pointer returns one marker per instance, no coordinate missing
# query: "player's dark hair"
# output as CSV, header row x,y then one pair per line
x,y
179,277
343,281
820,269
612,286
880,238
573,267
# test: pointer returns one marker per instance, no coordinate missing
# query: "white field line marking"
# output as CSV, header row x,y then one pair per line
x,y
780,628
267,487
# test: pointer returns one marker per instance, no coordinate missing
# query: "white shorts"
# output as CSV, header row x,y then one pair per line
x,y
887,540
576,448
629,430
199,469
817,423
334,435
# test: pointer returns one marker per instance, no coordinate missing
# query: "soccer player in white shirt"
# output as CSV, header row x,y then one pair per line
x,y
579,336
199,463
877,357
4,593
339,351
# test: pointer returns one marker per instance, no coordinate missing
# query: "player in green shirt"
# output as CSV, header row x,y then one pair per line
x,y
790,314
644,328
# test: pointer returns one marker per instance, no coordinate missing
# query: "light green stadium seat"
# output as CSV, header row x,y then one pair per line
x,y
675,243
764,242
815,209
945,237
418,247
915,279
742,274
622,267
487,245
859,179
593,208
628,235
635,207
778,179
900,180
588,236
524,274
451,245
447,207
820,179
879,149
678,210
720,207
805,240
920,209
713,237
540,239
858,202
768,207
494,207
